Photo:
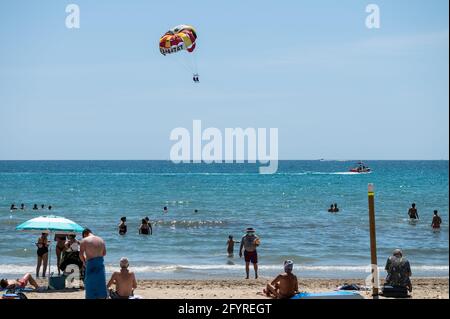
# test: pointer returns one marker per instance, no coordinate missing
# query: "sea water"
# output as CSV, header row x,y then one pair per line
x,y
288,210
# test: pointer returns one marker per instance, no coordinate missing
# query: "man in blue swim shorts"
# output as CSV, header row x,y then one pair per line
x,y
92,251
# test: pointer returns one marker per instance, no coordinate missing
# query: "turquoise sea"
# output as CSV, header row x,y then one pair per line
x,y
288,210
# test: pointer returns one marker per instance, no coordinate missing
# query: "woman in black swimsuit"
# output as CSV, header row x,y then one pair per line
x,y
42,254
144,229
123,226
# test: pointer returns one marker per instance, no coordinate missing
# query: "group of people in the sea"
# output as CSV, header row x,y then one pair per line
x,y
413,214
333,208
145,228
88,254
22,206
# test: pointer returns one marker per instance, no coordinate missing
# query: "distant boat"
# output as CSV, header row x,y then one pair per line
x,y
361,168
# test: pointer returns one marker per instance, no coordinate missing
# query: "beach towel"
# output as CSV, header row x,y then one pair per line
x,y
95,279
329,295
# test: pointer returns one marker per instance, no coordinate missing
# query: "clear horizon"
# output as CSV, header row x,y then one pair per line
x,y
334,88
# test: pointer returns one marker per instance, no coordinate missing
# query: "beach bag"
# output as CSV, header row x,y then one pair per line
x,y
395,291
349,287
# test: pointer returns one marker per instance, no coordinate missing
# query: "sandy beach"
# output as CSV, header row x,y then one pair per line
x,y
424,288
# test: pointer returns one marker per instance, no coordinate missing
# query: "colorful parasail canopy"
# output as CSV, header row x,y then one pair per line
x,y
179,38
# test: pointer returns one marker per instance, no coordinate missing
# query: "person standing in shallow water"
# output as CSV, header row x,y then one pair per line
x,y
123,226
437,221
144,229
230,246
248,244
149,223
412,212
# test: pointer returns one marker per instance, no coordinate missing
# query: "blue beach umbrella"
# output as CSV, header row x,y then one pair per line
x,y
50,224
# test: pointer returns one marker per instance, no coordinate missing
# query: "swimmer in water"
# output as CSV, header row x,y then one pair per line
x,y
412,212
22,206
13,207
336,209
123,226
149,225
165,210
230,246
144,229
437,221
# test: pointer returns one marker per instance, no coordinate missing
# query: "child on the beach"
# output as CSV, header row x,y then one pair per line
x,y
230,246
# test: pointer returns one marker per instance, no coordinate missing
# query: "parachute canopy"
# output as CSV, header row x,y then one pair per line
x,y
179,38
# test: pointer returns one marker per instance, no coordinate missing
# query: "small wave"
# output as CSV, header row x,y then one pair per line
x,y
430,269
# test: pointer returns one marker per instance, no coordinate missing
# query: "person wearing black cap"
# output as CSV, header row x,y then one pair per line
x,y
249,243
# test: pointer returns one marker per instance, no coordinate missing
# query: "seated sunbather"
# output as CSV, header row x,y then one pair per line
x,y
19,283
398,270
124,280
285,285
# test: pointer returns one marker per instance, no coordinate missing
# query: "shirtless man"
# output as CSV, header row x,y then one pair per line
x,y
285,285
412,212
124,280
92,251
19,283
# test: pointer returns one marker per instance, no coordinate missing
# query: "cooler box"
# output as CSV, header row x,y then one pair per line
x,y
57,282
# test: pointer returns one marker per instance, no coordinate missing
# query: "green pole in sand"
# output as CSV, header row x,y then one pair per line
x,y
373,240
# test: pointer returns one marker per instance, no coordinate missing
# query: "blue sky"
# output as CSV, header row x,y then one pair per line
x,y
332,87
